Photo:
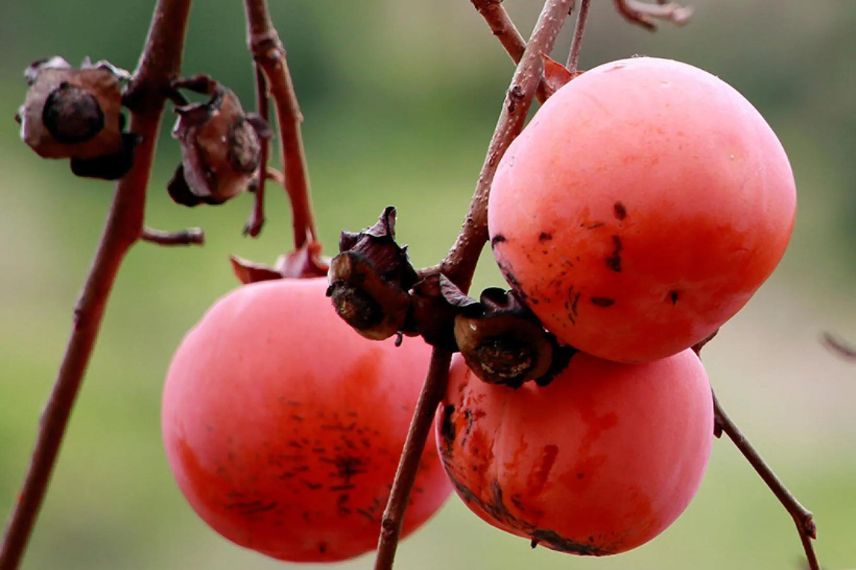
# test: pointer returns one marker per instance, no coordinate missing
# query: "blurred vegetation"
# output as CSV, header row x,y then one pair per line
x,y
400,99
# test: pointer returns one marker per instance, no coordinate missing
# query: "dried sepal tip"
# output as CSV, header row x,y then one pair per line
x,y
370,279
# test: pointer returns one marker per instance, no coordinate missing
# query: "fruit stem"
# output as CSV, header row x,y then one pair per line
x,y
460,264
803,518
269,53
579,31
256,220
159,65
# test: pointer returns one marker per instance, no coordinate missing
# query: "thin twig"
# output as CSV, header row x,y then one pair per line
x,y
503,28
579,32
159,65
460,261
803,518
420,427
643,13
254,224
459,265
189,236
269,53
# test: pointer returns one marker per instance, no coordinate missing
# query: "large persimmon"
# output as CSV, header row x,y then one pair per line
x,y
283,426
641,208
599,461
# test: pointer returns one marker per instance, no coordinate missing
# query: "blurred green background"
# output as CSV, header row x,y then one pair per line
x,y
400,99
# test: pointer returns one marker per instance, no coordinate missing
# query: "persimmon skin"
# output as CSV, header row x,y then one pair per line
x,y
641,208
283,427
598,462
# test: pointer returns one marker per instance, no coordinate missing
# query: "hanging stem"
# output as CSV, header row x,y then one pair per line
x,y
159,65
459,265
803,518
269,54
257,216
579,32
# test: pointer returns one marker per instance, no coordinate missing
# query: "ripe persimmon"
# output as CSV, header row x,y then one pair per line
x,y
641,208
283,426
599,461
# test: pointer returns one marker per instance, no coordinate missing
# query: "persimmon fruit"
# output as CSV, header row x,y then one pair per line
x,y
599,461
283,427
641,208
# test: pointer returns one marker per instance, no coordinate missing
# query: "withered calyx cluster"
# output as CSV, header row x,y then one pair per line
x,y
376,290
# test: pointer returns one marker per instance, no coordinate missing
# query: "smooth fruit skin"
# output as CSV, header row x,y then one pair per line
x,y
598,462
283,426
641,208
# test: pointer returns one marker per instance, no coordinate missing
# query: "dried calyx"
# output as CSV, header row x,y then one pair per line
x,y
501,340
370,280
212,172
304,262
77,114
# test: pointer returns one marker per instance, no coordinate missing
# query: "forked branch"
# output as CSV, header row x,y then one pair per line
x,y
269,54
159,66
459,265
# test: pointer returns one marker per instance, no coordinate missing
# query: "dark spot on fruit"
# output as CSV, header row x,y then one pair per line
x,y
592,226
602,301
251,508
342,504
580,475
533,543
312,486
619,211
673,296
498,238
614,260
544,236
538,477
447,428
556,541
571,303
322,547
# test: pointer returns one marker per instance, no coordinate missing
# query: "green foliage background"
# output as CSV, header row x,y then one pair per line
x,y
400,99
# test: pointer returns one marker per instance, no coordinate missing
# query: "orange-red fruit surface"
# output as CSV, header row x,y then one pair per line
x,y
283,426
641,208
598,462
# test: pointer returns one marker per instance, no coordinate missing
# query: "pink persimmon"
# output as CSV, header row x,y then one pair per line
x,y
641,208
599,461
283,427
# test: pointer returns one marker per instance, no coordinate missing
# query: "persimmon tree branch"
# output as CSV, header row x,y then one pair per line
x,y
158,67
189,236
269,54
803,518
579,32
644,13
460,264
500,23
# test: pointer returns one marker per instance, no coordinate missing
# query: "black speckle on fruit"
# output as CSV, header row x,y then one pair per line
x,y
614,260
